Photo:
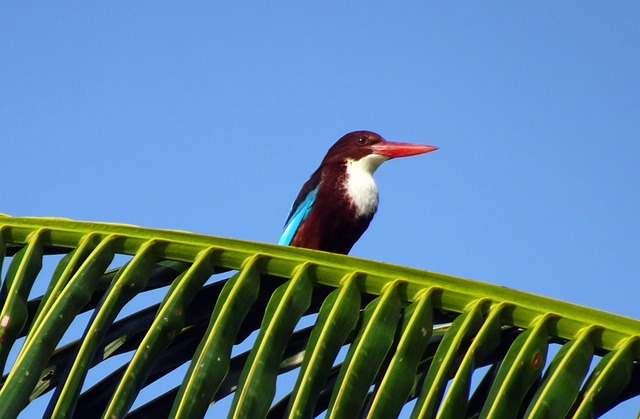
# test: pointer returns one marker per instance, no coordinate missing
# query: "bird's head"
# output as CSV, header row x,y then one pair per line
x,y
370,150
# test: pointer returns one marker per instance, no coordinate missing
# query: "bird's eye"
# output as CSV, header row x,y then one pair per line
x,y
362,141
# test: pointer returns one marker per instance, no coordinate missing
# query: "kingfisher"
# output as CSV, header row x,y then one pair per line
x,y
337,203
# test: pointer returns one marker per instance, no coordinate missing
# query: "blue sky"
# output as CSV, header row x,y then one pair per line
x,y
209,117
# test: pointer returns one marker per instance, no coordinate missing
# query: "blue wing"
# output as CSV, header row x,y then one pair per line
x,y
297,217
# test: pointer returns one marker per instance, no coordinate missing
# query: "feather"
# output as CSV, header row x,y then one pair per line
x,y
297,216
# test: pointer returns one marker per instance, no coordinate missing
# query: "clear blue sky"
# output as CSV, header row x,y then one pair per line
x,y
208,118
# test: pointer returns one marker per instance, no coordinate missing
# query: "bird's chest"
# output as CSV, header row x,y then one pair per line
x,y
361,191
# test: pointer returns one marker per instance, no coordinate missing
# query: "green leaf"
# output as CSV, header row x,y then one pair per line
x,y
366,354
210,364
455,401
607,381
129,281
168,322
443,366
64,273
338,316
398,381
20,278
521,367
561,381
41,341
257,383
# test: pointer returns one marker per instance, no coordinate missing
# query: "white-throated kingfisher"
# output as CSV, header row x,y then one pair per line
x,y
336,205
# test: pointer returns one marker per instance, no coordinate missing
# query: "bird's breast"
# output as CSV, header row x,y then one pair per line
x,y
361,189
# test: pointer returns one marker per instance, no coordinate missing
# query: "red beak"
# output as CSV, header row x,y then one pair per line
x,y
393,150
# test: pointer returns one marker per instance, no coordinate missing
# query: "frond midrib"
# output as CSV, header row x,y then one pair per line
x,y
331,268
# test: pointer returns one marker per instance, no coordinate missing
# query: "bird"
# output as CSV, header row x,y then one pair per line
x,y
336,205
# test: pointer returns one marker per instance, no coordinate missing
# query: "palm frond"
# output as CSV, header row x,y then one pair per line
x,y
459,348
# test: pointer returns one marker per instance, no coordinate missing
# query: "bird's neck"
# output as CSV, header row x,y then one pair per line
x,y
359,186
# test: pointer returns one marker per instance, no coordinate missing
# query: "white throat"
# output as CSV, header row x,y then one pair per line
x,y
361,188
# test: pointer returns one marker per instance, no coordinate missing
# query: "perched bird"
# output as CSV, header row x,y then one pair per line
x,y
336,205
